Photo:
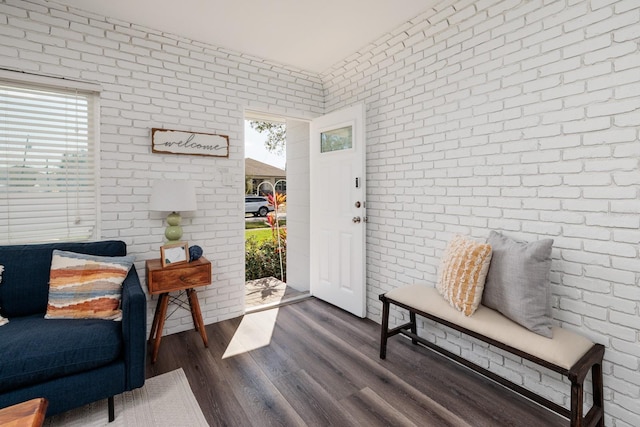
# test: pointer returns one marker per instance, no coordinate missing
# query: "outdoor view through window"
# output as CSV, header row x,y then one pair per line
x,y
47,170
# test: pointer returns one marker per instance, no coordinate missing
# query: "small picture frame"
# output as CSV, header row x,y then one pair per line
x,y
174,253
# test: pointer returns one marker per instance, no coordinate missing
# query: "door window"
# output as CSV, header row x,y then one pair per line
x,y
336,139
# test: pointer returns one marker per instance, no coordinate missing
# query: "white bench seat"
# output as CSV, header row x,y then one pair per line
x,y
563,350
567,353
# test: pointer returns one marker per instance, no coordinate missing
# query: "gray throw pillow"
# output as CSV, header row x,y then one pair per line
x,y
517,283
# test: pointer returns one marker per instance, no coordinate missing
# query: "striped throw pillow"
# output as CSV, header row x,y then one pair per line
x,y
462,273
86,286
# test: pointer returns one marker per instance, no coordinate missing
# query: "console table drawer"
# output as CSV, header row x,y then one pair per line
x,y
177,277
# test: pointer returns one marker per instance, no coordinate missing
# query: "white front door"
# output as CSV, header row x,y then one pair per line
x,y
337,178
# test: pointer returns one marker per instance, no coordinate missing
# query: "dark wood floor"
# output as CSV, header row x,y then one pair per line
x,y
310,363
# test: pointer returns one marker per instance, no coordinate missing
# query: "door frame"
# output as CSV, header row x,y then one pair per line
x,y
295,244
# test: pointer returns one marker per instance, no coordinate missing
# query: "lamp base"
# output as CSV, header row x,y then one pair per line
x,y
173,231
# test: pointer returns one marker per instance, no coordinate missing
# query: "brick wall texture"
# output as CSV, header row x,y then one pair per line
x,y
514,115
520,116
155,80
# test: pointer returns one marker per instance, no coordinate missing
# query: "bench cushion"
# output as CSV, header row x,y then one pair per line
x,y
563,350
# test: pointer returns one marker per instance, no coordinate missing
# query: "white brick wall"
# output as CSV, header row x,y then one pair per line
x,y
482,114
151,79
521,116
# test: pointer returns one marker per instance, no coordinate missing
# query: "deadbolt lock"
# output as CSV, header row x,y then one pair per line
x,y
357,204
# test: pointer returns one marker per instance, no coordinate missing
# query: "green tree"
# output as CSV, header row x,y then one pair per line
x,y
276,135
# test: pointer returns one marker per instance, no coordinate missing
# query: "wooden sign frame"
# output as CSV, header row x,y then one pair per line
x,y
191,143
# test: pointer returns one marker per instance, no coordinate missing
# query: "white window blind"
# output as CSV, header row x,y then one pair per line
x,y
48,186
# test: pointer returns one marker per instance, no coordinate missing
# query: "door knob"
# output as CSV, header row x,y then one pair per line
x,y
356,219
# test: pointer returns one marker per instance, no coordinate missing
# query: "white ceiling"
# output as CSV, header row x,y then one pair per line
x,y
311,35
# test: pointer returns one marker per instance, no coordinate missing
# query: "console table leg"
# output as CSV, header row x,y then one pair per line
x,y
197,315
163,302
154,325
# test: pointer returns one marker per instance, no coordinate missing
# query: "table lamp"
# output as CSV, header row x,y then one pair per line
x,y
174,197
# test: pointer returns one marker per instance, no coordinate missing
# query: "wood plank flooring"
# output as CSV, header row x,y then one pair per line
x,y
312,364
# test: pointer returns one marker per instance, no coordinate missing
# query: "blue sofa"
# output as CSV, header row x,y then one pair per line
x,y
71,362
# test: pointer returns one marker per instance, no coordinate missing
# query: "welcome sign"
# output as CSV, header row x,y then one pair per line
x,y
195,143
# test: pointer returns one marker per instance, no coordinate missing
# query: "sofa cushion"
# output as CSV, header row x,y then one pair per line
x,y
25,284
86,286
34,349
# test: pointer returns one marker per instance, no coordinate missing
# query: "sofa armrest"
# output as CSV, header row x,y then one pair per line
x,y
134,329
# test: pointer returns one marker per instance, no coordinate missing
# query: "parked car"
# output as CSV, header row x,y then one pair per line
x,y
257,205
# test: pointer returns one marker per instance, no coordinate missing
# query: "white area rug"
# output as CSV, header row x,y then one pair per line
x,y
165,400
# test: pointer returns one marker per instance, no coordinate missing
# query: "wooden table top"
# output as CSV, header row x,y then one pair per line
x,y
26,414
155,264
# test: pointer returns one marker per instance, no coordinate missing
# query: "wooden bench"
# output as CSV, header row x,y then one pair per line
x,y
566,353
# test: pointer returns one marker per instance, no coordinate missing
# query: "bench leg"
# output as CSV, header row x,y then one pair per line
x,y
414,326
576,404
598,390
384,328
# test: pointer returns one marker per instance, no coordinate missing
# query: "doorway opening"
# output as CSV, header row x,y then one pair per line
x,y
267,243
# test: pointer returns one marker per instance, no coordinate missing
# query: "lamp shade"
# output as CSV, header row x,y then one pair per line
x,y
173,196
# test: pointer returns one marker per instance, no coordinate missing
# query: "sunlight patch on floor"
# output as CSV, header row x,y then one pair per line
x,y
255,331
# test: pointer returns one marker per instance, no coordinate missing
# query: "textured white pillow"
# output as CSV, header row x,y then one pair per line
x,y
3,321
462,273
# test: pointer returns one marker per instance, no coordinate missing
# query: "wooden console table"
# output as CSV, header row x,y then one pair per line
x,y
181,277
26,414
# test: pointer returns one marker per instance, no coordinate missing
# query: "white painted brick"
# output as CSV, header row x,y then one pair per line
x,y
587,46
626,178
536,62
522,54
506,27
588,19
613,80
587,125
587,98
617,21
625,5
629,119
628,320
614,51
628,33
565,15
8,51
621,332
545,12
626,62
511,115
